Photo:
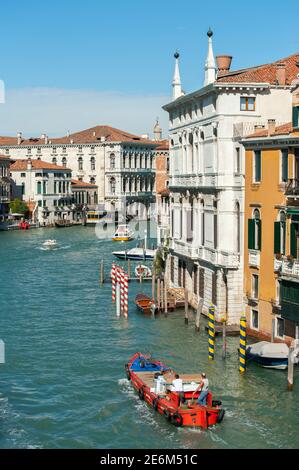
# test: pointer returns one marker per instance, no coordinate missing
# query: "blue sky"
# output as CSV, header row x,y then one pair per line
x,y
54,54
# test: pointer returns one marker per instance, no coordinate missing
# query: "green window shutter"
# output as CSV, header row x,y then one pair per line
x,y
295,116
259,225
251,234
276,238
284,165
258,165
293,241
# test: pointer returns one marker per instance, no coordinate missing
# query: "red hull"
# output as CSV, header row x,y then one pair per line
x,y
191,415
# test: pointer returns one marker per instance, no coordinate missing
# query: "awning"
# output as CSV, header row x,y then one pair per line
x,y
293,210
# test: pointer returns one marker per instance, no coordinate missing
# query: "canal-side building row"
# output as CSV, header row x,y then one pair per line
x,y
271,251
119,163
207,173
5,186
45,187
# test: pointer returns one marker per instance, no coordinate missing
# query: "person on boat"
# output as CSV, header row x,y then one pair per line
x,y
204,390
177,385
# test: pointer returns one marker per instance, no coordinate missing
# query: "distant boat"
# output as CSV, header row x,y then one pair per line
x,y
63,223
137,254
145,304
50,244
123,234
269,355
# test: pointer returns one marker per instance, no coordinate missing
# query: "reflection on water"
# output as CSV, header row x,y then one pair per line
x,y
63,384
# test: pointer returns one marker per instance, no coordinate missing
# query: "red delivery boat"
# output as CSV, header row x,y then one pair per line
x,y
153,382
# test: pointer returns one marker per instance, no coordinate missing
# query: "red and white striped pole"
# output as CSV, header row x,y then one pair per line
x,y
113,275
126,296
118,294
122,292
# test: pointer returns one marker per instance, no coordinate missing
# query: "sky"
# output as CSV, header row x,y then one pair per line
x,y
69,65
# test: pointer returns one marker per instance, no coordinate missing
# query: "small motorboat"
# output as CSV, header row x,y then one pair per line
x,y
63,223
153,383
50,244
142,271
137,254
145,304
269,355
123,234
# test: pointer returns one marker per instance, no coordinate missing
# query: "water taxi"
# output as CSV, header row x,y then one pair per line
x,y
123,234
153,382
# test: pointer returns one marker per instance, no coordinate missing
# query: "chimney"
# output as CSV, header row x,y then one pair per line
x,y
271,126
223,64
103,139
94,133
29,164
19,137
46,140
281,74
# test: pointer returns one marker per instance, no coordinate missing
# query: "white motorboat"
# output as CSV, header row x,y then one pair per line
x,y
137,254
50,244
143,271
269,355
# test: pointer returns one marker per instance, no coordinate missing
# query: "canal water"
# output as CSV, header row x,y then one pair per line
x,y
63,384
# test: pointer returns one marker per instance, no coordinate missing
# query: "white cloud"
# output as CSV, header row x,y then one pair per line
x,y
55,111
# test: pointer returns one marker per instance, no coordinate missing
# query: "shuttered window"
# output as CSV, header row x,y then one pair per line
x,y
293,240
251,234
295,116
284,165
257,174
276,238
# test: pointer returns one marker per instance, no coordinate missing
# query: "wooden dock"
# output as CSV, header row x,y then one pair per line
x,y
231,330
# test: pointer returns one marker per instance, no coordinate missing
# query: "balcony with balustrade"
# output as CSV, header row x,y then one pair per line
x,y
196,253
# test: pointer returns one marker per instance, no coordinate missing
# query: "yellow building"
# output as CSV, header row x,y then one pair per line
x,y
271,215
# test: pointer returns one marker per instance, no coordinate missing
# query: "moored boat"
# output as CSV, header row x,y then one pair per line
x,y
145,304
145,374
142,271
123,234
269,355
137,254
63,223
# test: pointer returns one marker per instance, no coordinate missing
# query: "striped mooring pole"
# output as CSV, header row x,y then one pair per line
x,y
242,349
126,291
113,273
211,325
122,293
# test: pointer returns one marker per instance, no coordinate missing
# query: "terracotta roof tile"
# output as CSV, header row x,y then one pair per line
x,y
279,130
162,145
93,135
264,73
82,184
20,165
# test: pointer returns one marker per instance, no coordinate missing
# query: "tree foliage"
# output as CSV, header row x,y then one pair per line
x,y
18,207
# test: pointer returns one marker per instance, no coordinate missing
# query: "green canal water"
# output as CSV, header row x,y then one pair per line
x,y
63,384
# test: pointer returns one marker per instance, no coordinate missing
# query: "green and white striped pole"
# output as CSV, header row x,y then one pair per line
x,y
242,349
211,333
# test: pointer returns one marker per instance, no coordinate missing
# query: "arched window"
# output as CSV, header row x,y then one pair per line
x,y
255,231
92,164
80,163
54,161
112,185
280,234
92,180
112,161
64,162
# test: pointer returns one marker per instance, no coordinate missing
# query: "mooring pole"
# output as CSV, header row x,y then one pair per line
x,y
224,339
153,287
291,369
118,297
158,294
162,294
102,279
186,307
242,347
198,313
273,331
165,298
211,339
